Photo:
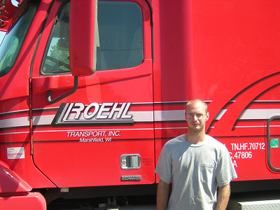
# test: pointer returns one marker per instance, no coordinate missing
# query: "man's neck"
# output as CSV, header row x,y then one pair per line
x,y
195,138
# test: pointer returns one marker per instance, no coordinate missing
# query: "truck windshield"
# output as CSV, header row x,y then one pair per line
x,y
11,42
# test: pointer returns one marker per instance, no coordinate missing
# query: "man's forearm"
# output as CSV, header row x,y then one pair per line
x,y
223,197
162,195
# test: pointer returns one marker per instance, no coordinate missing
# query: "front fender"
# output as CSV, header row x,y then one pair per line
x,y
29,201
10,182
15,192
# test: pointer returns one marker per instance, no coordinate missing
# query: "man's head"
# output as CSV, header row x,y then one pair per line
x,y
196,115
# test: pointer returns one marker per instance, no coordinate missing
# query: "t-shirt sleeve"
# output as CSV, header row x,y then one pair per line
x,y
164,166
225,169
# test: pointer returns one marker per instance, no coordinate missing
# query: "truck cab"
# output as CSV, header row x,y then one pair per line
x,y
92,90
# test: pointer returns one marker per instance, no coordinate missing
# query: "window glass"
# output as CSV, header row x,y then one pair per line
x,y
56,59
120,28
12,41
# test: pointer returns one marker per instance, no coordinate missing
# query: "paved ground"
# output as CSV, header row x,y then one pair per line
x,y
137,203
136,207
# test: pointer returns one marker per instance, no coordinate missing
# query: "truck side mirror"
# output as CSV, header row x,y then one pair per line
x,y
82,37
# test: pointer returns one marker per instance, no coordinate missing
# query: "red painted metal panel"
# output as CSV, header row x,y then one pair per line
x,y
90,155
15,123
30,201
225,52
11,182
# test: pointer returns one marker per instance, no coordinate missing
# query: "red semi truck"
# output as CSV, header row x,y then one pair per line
x,y
91,90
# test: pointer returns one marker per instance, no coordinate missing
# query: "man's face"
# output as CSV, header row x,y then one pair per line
x,y
196,116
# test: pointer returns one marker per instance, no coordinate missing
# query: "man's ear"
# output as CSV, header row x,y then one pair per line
x,y
207,116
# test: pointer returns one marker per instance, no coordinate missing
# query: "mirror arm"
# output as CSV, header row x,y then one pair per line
x,y
52,100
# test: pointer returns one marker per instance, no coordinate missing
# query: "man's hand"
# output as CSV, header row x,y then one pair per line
x,y
162,195
223,197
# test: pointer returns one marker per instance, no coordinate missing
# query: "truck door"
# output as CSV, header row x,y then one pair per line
x,y
102,133
273,138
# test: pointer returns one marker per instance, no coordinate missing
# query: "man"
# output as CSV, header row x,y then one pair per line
x,y
194,167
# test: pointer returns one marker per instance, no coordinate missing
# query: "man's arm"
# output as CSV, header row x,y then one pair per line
x,y
223,197
162,195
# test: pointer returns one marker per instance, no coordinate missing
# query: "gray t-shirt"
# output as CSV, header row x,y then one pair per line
x,y
195,171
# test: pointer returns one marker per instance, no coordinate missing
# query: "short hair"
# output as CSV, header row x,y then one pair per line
x,y
194,101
